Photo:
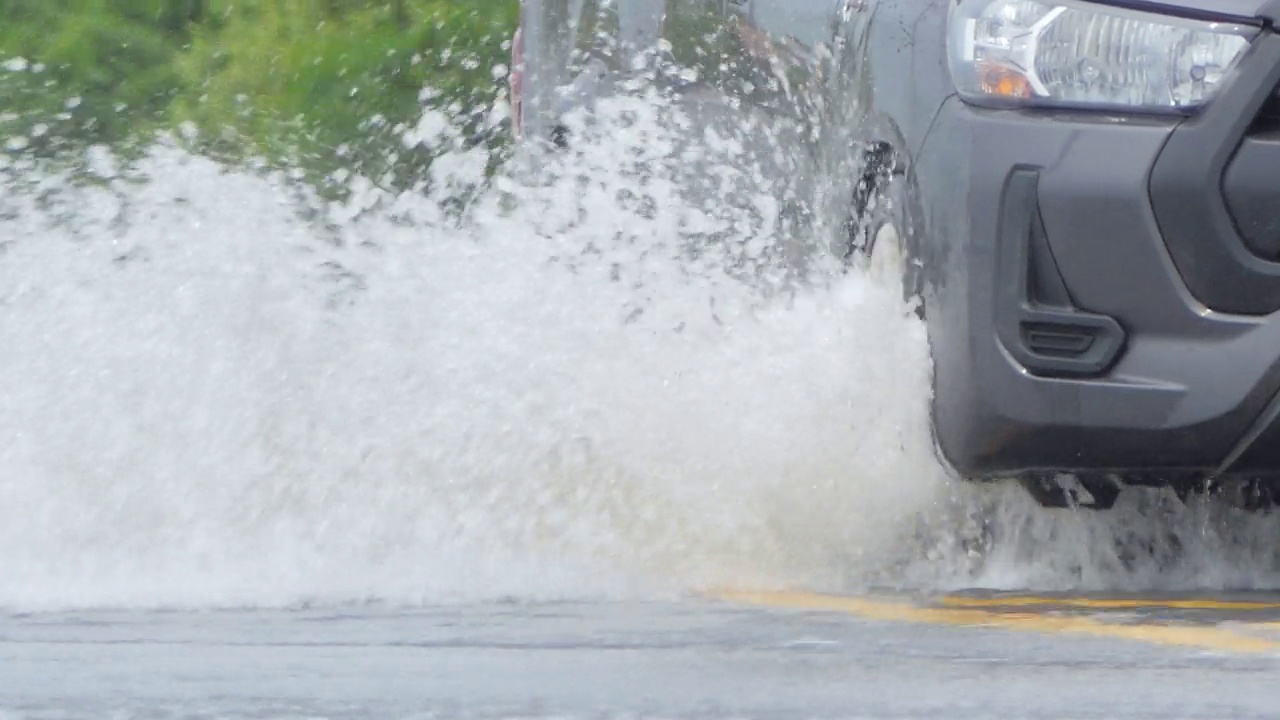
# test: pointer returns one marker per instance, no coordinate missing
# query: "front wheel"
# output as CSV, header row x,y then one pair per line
x,y
883,227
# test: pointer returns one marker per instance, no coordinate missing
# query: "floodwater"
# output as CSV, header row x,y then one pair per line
x,y
689,659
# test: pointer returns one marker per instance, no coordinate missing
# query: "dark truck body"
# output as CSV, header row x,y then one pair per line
x,y
1101,288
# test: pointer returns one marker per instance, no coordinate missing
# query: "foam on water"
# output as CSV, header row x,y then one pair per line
x,y
212,399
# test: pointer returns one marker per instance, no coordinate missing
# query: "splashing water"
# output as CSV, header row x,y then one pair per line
x,y
599,384
224,403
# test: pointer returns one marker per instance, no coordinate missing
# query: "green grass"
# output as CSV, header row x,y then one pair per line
x,y
320,84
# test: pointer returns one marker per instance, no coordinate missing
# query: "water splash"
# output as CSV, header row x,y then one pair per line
x,y
634,373
223,402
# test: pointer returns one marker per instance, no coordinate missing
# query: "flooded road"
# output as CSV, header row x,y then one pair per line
x,y
747,657
585,445
390,466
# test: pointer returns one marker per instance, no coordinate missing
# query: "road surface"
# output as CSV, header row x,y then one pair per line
x,y
729,655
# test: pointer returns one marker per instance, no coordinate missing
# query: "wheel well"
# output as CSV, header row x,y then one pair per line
x,y
879,164
885,175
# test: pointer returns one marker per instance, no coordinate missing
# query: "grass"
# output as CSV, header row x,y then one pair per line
x,y
320,84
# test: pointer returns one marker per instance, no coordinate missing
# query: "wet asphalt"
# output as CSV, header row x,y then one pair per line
x,y
787,655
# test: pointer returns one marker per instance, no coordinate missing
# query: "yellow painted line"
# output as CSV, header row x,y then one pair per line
x,y
1105,604
1206,638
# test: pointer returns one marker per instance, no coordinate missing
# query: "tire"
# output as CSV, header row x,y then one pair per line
x,y
883,227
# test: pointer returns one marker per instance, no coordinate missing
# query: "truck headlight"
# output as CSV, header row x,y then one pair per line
x,y
1070,52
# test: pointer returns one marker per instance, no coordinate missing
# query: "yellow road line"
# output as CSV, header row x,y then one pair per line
x,y
1207,638
1104,604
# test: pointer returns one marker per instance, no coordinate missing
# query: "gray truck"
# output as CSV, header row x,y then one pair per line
x,y
1084,196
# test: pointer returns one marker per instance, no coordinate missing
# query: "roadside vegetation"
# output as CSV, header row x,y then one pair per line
x,y
317,85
